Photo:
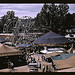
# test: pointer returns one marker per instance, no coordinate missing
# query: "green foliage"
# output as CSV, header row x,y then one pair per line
x,y
52,17
73,20
8,19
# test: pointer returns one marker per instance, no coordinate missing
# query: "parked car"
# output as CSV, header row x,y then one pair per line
x,y
33,67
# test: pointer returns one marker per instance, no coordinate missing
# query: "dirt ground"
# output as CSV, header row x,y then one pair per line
x,y
22,68
17,69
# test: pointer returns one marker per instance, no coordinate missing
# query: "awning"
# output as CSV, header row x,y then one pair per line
x,y
23,45
51,50
33,64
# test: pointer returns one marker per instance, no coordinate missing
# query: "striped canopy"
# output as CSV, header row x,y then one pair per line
x,y
2,39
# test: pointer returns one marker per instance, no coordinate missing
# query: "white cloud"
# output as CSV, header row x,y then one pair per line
x,y
72,8
21,9
25,9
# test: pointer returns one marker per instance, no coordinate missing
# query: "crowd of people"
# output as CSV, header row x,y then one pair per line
x,y
32,60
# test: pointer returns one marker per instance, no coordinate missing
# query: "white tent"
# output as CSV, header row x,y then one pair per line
x,y
45,51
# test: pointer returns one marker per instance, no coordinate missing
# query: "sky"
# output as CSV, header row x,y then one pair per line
x,y
26,9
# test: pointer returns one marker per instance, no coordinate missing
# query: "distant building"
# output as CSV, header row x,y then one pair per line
x,y
70,34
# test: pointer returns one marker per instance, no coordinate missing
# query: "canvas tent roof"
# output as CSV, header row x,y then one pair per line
x,y
6,50
67,70
9,44
51,38
62,56
64,60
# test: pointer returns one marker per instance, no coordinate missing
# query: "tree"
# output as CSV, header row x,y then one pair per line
x,y
41,20
63,11
51,17
67,22
8,21
73,20
1,27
